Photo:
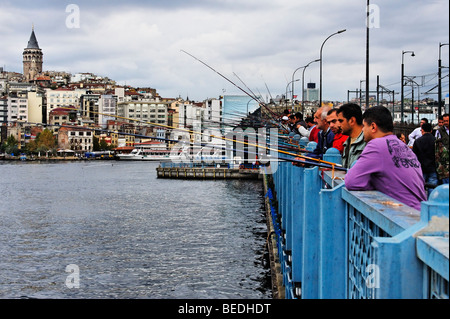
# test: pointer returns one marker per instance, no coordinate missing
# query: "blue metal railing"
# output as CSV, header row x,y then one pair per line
x,y
340,244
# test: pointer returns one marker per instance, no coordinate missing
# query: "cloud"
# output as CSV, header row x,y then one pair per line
x,y
263,42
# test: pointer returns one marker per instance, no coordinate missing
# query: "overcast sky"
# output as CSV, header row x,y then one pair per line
x,y
139,43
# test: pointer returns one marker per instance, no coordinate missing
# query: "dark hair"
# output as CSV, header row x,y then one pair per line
x,y
292,116
332,111
424,119
427,128
350,110
381,116
299,116
286,112
309,119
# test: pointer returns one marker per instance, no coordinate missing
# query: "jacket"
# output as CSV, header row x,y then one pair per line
x,y
442,154
338,142
425,151
352,151
325,141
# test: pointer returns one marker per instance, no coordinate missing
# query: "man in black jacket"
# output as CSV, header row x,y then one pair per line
x,y
424,148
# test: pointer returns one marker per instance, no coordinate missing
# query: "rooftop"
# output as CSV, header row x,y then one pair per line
x,y
32,43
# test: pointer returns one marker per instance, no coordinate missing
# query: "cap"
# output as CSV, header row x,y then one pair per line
x,y
285,118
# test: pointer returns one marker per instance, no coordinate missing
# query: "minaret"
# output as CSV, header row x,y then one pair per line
x,y
32,59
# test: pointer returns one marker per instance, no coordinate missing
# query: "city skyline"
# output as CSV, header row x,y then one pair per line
x,y
139,43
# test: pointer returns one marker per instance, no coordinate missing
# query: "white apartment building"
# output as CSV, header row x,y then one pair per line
x,y
107,106
203,119
17,108
3,109
80,140
63,97
153,111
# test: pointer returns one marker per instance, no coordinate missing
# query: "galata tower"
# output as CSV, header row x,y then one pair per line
x,y
32,59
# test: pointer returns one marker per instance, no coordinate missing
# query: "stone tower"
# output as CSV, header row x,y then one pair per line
x,y
32,59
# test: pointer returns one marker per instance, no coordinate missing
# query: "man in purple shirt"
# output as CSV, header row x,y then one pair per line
x,y
386,164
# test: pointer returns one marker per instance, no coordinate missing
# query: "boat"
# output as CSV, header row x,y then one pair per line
x,y
148,151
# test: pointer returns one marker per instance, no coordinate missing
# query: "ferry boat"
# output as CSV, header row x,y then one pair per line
x,y
148,151
139,154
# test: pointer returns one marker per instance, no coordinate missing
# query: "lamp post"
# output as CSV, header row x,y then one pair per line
x,y
303,83
360,95
440,80
292,86
302,67
320,83
367,56
412,82
401,85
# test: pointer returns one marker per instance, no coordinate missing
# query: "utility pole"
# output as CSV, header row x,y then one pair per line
x,y
440,80
367,56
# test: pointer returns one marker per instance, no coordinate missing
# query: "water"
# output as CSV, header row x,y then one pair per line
x,y
129,234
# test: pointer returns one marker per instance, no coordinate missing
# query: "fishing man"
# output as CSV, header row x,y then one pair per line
x,y
386,164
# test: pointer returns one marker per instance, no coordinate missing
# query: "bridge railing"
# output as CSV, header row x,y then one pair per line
x,y
340,244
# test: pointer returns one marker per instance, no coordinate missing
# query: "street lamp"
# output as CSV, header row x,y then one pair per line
x,y
360,95
303,84
439,79
302,67
412,82
292,86
401,84
320,84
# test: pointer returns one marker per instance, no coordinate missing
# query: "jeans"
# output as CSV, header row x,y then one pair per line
x,y
431,179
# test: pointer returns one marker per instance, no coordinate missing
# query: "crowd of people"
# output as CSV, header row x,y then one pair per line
x,y
376,158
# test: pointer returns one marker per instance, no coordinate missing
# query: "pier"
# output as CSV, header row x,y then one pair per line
x,y
201,171
330,243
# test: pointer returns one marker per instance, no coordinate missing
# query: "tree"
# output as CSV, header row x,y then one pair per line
x,y
95,144
103,145
11,146
45,140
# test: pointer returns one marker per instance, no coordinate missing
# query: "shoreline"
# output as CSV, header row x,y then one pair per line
x,y
56,158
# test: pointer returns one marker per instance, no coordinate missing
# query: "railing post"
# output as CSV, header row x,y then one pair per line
x,y
311,235
289,206
298,174
333,220
333,155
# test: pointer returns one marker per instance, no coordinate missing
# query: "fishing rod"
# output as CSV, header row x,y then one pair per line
x,y
217,137
220,74
254,95
304,160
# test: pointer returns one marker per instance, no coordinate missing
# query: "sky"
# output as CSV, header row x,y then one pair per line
x,y
257,44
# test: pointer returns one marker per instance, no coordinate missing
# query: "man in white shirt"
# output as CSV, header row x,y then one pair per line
x,y
416,133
